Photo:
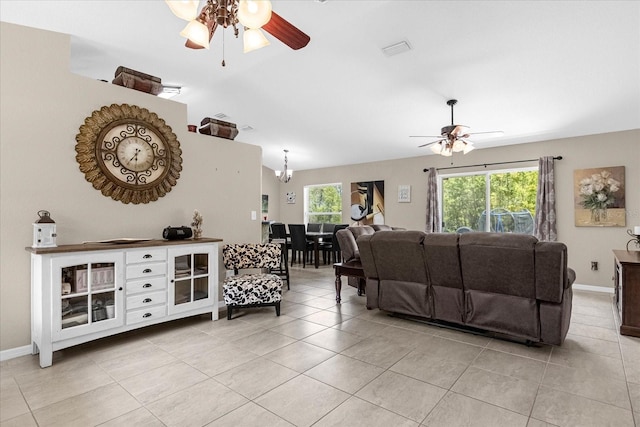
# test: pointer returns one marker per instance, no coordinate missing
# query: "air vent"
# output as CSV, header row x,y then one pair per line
x,y
221,116
246,128
396,48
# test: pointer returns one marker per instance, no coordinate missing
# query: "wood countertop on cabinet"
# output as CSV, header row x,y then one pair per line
x,y
116,244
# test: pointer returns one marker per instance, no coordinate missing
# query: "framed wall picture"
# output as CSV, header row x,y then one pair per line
x,y
367,202
291,197
599,197
404,194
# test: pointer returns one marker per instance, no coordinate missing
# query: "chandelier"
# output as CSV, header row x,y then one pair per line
x,y
286,174
252,14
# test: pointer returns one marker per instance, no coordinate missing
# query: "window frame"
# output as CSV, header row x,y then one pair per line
x,y
487,176
306,203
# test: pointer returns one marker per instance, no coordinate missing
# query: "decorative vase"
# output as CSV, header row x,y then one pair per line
x,y
197,233
598,214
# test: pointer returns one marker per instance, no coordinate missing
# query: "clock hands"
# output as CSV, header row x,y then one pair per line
x,y
135,156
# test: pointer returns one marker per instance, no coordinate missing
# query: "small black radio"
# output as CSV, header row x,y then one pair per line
x,y
177,233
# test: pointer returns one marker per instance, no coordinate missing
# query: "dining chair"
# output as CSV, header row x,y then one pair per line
x,y
299,243
326,244
314,227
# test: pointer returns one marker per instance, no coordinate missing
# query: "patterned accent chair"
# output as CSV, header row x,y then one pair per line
x,y
251,289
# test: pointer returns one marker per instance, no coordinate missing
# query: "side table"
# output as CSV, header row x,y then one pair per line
x,y
348,269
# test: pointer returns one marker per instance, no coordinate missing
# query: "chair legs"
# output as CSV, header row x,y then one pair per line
x,y
231,307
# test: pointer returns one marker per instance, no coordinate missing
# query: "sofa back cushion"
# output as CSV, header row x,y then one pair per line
x,y
443,260
445,276
398,257
499,263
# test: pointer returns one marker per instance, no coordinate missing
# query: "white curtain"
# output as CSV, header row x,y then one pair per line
x,y
545,226
433,212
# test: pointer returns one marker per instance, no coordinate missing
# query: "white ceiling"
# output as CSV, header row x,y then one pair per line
x,y
536,70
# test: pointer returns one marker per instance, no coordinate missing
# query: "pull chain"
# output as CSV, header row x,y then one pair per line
x,y
223,63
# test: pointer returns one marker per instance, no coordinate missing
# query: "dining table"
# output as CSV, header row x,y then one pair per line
x,y
317,236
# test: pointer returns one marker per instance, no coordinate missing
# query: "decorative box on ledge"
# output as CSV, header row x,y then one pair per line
x,y
133,79
218,128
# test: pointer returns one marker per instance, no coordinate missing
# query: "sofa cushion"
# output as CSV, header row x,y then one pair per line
x,y
443,262
498,263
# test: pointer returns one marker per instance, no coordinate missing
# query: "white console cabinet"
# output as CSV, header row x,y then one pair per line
x,y
83,292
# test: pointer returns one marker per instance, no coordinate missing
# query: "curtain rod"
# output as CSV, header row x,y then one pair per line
x,y
489,164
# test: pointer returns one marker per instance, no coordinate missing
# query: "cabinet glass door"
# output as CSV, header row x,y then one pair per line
x,y
89,296
189,271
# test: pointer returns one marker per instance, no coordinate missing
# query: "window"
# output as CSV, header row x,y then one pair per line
x,y
323,203
508,196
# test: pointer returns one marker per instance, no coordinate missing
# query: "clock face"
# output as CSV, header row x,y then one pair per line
x,y
132,153
135,154
128,153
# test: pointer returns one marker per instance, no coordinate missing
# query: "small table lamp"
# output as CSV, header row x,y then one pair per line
x,y
636,236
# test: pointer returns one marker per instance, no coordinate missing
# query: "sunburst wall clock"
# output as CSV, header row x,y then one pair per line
x,y
128,153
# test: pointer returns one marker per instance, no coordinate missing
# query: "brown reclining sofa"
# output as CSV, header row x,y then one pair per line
x,y
510,284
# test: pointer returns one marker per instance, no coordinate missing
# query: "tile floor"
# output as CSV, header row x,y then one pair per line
x,y
322,364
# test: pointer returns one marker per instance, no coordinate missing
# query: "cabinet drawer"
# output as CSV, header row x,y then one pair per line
x,y
136,271
145,315
146,255
147,299
149,285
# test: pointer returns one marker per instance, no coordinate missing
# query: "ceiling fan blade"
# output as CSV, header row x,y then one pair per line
x,y
498,132
211,25
425,136
429,143
286,32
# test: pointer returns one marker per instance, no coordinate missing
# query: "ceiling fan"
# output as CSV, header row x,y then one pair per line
x,y
452,138
253,15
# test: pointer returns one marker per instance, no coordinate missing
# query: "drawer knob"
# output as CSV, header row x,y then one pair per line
x,y
146,300
146,315
147,285
146,270
147,256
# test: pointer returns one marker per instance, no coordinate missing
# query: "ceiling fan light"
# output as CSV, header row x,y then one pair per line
x,y
458,146
468,147
254,13
197,32
254,39
447,152
184,9
436,148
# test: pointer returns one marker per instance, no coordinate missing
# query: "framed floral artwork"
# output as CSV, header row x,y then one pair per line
x,y
599,198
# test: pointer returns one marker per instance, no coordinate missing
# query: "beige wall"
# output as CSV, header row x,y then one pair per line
x,y
42,107
585,244
270,187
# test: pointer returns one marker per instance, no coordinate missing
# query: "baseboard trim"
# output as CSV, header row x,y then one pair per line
x,y
592,288
12,353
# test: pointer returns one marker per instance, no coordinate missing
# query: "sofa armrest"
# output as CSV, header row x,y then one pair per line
x,y
348,246
571,277
366,256
552,274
